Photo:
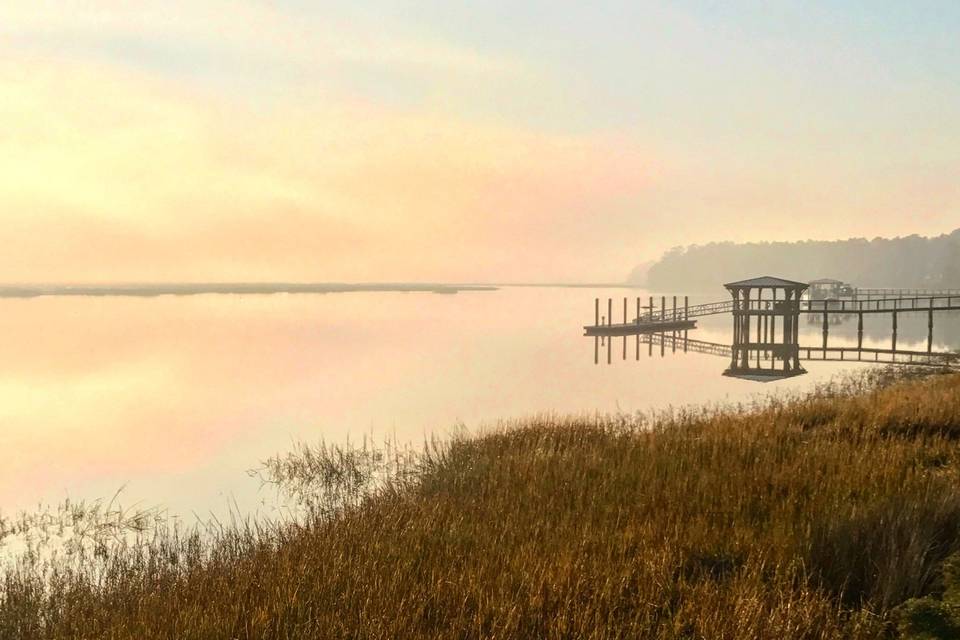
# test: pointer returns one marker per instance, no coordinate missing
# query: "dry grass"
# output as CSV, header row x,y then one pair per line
x,y
803,518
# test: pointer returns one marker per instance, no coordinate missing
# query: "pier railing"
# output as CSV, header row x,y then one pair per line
x,y
946,302
693,311
871,293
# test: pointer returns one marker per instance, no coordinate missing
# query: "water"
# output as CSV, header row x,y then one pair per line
x,y
175,398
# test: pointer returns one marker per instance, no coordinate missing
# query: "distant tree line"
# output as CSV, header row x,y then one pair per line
x,y
913,261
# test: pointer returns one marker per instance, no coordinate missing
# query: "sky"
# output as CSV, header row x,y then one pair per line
x,y
375,140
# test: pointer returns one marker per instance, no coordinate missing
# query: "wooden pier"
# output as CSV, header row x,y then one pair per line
x,y
663,319
761,306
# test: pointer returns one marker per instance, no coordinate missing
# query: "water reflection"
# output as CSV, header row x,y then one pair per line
x,y
175,398
767,360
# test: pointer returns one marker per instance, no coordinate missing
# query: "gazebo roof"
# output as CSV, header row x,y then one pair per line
x,y
826,281
766,281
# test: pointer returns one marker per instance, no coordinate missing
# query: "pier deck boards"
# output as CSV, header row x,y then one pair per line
x,y
637,328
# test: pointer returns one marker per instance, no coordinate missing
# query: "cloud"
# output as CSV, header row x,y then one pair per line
x,y
111,174
244,28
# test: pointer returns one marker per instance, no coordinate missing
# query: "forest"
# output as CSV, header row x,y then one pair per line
x,y
911,262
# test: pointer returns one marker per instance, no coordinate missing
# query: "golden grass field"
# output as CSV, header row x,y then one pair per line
x,y
814,517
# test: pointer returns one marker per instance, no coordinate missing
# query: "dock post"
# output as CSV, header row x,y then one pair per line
x,y
686,307
795,319
663,308
596,312
930,328
674,308
787,331
860,330
773,319
651,308
894,343
609,311
826,327
624,322
638,322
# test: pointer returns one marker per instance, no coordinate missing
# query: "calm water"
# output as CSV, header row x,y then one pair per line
x,y
174,398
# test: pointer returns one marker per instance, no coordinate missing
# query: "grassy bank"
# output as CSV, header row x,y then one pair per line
x,y
807,518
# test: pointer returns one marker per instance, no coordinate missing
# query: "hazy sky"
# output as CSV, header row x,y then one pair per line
x,y
443,140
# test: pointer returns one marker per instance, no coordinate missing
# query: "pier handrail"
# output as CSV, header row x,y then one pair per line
x,y
938,302
694,311
905,293
914,303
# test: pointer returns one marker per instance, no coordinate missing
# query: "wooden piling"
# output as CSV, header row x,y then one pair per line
x,y
596,312
624,322
826,327
894,340
773,318
930,328
860,330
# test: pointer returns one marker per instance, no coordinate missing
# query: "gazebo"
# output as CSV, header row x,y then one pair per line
x,y
830,289
765,299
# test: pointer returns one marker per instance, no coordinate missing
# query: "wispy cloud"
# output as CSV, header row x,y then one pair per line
x,y
238,27
117,172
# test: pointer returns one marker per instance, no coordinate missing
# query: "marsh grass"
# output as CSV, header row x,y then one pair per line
x,y
810,517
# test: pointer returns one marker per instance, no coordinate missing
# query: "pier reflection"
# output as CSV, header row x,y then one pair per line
x,y
767,362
